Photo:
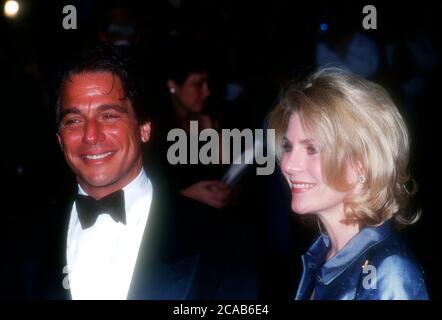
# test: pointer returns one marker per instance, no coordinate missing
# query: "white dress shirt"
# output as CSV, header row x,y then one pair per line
x,y
101,259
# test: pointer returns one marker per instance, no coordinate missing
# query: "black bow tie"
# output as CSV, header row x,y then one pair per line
x,y
89,209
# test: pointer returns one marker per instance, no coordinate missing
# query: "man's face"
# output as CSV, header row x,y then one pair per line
x,y
99,133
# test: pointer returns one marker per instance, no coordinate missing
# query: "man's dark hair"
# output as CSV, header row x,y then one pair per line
x,y
106,58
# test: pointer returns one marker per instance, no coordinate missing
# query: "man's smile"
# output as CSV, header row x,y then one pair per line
x,y
97,156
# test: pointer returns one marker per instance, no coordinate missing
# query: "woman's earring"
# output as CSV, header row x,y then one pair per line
x,y
172,90
362,178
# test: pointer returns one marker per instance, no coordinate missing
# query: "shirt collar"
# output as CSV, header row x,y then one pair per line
x,y
133,192
355,248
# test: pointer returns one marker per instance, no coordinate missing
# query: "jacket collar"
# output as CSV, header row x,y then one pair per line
x,y
354,249
164,269
157,279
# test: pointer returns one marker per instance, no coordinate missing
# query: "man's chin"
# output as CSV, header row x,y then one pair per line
x,y
97,181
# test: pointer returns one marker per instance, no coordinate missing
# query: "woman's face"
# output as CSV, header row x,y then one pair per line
x,y
301,166
192,94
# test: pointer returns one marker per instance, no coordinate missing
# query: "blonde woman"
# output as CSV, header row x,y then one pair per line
x,y
344,149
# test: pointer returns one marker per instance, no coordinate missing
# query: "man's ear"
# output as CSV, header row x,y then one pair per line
x,y
59,141
145,131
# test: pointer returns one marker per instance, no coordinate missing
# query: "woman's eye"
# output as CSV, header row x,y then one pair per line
x,y
312,149
286,147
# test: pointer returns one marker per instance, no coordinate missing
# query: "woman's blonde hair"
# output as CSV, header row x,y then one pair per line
x,y
353,121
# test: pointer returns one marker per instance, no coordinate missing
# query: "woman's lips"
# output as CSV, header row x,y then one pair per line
x,y
301,186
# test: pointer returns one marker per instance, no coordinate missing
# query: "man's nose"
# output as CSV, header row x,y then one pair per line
x,y
92,132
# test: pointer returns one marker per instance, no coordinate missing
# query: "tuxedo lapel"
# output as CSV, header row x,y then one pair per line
x,y
54,267
155,279
163,270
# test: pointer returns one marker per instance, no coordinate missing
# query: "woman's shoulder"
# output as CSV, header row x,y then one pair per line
x,y
393,252
394,271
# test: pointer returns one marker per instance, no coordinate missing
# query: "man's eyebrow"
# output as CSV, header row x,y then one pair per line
x,y
101,108
116,107
67,111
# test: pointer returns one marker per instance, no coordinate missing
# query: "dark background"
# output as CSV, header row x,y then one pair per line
x,y
259,45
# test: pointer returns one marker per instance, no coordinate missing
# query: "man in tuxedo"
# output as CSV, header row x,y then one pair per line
x,y
124,237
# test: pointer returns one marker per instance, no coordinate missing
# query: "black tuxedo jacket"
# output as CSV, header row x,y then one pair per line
x,y
180,256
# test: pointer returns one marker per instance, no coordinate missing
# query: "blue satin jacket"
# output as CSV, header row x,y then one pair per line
x,y
373,265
